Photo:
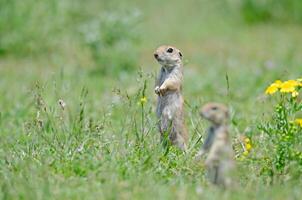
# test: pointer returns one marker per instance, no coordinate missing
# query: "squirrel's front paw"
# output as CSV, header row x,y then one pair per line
x,y
162,90
156,90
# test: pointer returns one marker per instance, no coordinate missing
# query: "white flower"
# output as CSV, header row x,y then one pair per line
x,y
62,104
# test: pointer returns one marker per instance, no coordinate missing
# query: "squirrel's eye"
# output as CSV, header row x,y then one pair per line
x,y
214,108
170,50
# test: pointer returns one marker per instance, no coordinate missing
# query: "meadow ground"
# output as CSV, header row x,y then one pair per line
x,y
104,144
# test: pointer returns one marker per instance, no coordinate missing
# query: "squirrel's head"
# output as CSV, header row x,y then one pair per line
x,y
215,112
167,55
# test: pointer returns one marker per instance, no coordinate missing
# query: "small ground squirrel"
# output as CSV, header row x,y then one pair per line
x,y
170,109
219,162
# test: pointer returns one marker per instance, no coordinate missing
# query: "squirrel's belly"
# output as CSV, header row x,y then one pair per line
x,y
169,103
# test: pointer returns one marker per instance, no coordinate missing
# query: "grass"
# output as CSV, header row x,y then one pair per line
x,y
100,146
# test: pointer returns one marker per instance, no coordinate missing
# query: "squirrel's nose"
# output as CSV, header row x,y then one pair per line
x,y
156,55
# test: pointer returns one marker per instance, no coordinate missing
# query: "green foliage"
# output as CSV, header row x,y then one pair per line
x,y
255,11
67,134
111,38
40,27
284,139
31,26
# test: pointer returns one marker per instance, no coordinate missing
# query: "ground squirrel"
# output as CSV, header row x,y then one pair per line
x,y
219,162
170,108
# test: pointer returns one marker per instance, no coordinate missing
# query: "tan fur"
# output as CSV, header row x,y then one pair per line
x,y
170,109
219,162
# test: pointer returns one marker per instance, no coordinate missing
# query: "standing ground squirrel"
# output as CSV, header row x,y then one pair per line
x,y
170,108
219,162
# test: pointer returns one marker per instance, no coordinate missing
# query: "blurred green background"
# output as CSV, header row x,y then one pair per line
x,y
96,55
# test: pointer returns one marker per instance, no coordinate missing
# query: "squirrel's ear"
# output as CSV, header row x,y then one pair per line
x,y
180,54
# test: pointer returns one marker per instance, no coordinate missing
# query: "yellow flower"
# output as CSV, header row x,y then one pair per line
x,y
245,153
299,121
278,83
143,100
248,146
273,87
289,86
295,94
293,82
